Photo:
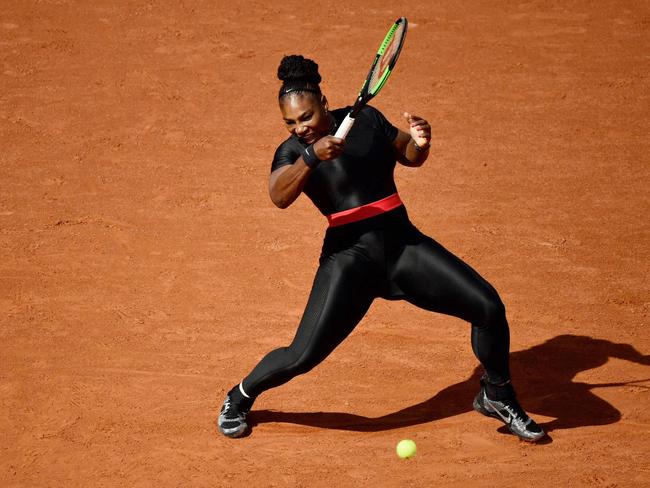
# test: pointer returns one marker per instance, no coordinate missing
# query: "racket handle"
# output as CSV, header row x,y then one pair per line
x,y
345,127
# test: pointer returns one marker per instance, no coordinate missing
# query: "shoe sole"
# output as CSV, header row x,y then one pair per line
x,y
234,433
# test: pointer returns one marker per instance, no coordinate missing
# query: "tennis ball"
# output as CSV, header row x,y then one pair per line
x,y
406,448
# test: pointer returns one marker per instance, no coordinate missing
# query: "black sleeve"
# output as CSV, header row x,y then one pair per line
x,y
286,153
380,122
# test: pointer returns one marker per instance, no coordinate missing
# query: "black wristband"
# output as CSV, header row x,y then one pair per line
x,y
309,157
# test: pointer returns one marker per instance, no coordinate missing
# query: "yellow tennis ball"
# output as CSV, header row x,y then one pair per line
x,y
406,448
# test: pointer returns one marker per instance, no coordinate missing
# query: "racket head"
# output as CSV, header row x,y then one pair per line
x,y
384,62
389,51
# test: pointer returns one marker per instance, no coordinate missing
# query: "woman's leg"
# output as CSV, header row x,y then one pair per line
x,y
432,278
340,297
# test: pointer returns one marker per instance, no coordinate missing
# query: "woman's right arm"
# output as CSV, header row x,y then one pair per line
x,y
287,182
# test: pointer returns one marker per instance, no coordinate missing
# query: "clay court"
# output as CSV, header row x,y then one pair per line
x,y
144,269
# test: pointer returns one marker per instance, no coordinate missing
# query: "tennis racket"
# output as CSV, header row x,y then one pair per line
x,y
380,70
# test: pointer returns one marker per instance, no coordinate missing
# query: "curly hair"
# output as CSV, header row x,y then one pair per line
x,y
298,75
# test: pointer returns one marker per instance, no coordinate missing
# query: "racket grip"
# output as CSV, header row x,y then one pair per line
x,y
345,127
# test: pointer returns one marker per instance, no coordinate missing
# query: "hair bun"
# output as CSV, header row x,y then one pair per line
x,y
298,68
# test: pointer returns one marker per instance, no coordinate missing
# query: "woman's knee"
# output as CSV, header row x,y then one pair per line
x,y
490,310
302,361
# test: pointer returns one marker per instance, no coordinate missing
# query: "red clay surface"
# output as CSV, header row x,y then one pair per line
x,y
144,269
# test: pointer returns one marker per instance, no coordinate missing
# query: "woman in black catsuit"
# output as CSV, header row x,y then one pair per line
x,y
371,249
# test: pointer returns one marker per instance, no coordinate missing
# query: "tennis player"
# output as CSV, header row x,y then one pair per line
x,y
371,249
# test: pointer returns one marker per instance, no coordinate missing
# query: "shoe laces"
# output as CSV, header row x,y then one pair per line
x,y
233,410
229,410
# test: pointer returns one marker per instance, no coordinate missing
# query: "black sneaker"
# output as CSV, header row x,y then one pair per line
x,y
508,411
232,418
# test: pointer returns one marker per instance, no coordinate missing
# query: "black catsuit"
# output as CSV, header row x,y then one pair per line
x,y
383,256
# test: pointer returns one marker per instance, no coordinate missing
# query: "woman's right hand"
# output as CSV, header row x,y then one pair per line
x,y
328,147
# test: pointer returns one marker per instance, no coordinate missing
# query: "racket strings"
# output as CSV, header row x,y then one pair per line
x,y
387,55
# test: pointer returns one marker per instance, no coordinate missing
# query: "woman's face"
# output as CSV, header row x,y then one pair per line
x,y
305,116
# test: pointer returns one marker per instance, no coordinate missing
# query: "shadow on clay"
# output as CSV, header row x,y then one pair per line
x,y
543,379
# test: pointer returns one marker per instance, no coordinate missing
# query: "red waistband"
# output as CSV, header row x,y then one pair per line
x,y
364,211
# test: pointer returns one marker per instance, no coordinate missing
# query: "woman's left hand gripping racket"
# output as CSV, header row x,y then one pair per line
x,y
380,70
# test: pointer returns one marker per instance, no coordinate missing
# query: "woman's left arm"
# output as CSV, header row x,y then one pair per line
x,y
413,149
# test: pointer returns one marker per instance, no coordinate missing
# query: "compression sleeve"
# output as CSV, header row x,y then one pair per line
x,y
287,153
